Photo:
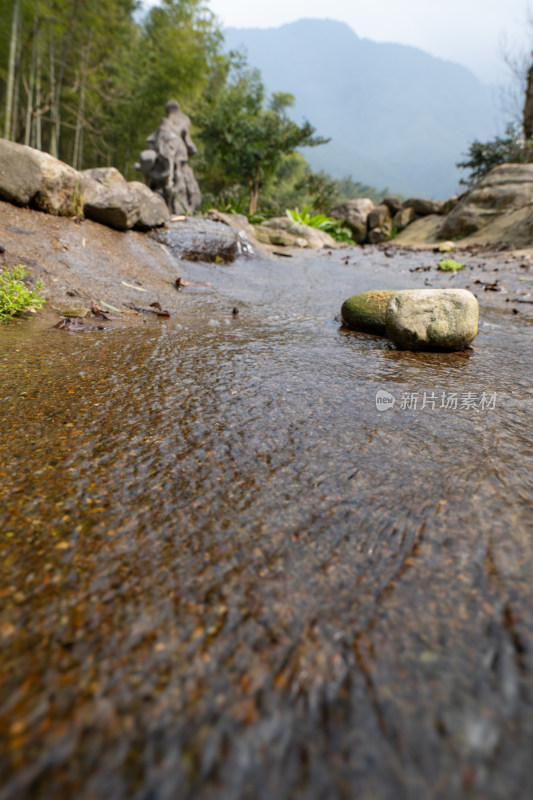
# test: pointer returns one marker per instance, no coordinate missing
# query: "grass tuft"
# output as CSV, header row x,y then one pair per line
x,y
15,297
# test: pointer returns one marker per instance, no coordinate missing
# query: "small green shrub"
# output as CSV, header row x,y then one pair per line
x,y
394,232
334,227
15,297
234,204
449,265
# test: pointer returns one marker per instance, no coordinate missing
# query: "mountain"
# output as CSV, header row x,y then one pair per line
x,y
397,116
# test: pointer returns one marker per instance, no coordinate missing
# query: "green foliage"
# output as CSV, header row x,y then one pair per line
x,y
336,229
449,265
484,156
393,232
245,137
234,204
14,296
323,189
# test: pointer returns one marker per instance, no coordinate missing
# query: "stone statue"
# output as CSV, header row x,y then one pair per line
x,y
165,165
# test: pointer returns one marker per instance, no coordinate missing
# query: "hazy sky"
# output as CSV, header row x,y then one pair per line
x,y
471,32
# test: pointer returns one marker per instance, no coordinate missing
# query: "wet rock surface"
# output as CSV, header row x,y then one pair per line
x,y
194,239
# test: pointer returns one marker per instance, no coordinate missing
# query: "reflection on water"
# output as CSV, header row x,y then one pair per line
x,y
225,574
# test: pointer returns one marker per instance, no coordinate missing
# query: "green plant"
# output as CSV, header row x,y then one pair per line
x,y
234,205
77,199
15,297
334,227
449,265
394,231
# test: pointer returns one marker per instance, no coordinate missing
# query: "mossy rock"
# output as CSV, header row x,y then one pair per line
x,y
366,312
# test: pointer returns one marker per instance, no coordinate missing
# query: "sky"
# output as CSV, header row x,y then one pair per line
x,y
474,33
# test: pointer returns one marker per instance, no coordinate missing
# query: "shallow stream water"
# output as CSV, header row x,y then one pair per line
x,y
224,573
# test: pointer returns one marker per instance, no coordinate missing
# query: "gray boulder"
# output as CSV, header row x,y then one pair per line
x,y
432,319
60,191
394,204
354,213
379,217
278,237
423,208
379,235
505,189
196,239
315,238
20,172
379,224
29,176
153,211
108,198
404,218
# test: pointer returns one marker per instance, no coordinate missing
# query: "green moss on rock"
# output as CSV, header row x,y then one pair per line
x,y
366,312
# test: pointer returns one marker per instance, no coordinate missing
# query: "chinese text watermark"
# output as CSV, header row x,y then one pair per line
x,y
448,401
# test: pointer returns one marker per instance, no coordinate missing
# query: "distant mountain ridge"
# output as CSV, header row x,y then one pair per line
x,y
397,116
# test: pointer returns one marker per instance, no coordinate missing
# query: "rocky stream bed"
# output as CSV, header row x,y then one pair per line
x,y
224,571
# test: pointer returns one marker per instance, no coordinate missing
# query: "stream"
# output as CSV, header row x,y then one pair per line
x,y
226,574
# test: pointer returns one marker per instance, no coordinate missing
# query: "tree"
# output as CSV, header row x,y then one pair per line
x,y
244,137
10,83
484,156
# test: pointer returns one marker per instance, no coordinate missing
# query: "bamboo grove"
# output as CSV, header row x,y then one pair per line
x,y
87,81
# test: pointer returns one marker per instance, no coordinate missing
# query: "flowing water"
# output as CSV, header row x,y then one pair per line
x,y
225,573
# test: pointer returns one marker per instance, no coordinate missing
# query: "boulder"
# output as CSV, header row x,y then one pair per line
x,y
153,211
108,198
404,218
245,231
423,231
20,172
354,213
450,204
379,217
505,189
379,235
394,204
432,319
315,238
278,236
30,176
239,222
423,208
60,191
195,239
366,312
